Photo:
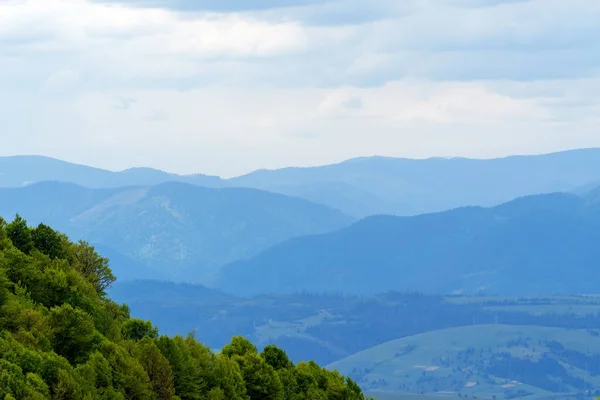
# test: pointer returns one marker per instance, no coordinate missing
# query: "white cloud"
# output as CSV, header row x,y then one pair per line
x,y
230,130
78,25
432,102
61,82
115,44
227,92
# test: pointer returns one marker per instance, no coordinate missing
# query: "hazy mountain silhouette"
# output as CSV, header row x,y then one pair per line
x,y
380,185
532,245
20,171
359,187
175,230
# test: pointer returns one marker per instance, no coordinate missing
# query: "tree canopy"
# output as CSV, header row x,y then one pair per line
x,y
61,337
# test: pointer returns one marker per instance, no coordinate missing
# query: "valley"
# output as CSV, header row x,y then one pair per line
x,y
401,342
494,300
299,200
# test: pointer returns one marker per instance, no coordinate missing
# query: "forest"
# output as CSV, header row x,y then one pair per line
x,y
61,337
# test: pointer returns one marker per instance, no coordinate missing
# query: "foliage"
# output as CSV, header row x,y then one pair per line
x,y
91,265
275,357
136,329
62,338
20,234
48,241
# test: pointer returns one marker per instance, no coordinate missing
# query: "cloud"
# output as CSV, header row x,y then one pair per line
x,y
61,82
354,103
230,130
123,103
214,5
157,116
34,26
308,43
431,102
228,86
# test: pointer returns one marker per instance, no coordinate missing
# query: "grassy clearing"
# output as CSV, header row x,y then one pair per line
x,y
454,361
558,309
380,395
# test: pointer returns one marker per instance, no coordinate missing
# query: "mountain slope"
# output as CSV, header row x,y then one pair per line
x,y
505,249
61,337
18,171
358,187
380,185
177,231
483,361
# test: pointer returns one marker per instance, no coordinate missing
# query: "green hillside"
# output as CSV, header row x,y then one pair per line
x,y
381,395
176,231
484,361
61,338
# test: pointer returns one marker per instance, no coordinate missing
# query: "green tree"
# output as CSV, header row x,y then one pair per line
x,y
276,357
35,384
262,382
157,367
48,241
239,346
20,234
188,381
2,229
56,287
307,382
129,377
12,382
61,338
336,386
15,384
353,392
73,332
216,394
137,329
4,285
66,388
287,377
229,378
92,266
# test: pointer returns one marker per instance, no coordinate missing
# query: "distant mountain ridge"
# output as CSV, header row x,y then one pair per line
x,y
400,186
18,171
359,187
174,230
502,250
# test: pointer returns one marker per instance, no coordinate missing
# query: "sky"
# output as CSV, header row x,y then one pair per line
x,y
224,87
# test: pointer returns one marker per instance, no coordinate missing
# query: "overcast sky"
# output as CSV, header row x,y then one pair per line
x,y
227,86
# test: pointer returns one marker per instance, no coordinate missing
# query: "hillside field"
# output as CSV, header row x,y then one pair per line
x,y
483,361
